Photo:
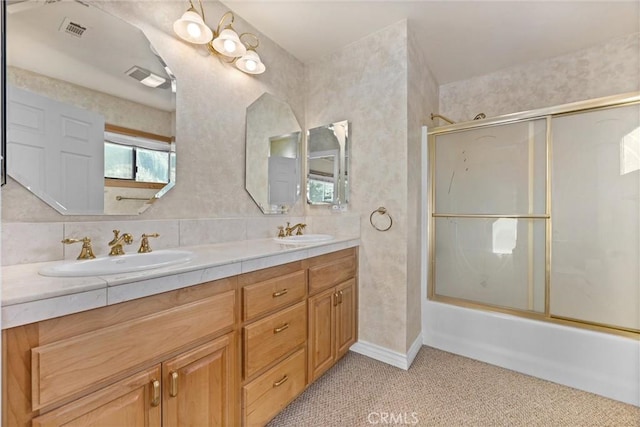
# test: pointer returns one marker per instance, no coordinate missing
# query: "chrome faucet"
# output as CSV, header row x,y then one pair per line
x,y
299,227
116,243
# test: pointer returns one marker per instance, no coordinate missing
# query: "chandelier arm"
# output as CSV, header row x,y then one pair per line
x,y
229,15
201,8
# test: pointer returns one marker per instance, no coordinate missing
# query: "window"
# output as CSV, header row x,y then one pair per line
x,y
138,159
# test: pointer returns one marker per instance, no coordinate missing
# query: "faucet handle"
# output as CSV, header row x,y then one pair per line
x,y
281,231
300,228
144,243
86,252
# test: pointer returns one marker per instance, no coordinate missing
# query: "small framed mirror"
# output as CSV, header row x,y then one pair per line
x,y
328,164
272,170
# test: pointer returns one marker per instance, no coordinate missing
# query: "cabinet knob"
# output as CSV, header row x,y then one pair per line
x,y
173,384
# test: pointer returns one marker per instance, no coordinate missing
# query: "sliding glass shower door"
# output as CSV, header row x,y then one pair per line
x,y
490,215
540,215
596,235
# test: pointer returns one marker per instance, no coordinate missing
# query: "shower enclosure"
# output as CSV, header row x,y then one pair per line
x,y
537,214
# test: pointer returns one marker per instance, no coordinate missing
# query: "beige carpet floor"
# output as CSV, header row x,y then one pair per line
x,y
443,389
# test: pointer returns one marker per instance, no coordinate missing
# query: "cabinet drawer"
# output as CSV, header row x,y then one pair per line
x,y
71,365
263,297
329,274
268,339
268,394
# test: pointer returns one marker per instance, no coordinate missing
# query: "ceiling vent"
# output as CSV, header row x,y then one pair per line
x,y
147,78
73,28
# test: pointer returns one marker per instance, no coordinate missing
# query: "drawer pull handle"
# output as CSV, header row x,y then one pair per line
x,y
335,299
173,384
155,393
340,297
280,293
280,328
281,381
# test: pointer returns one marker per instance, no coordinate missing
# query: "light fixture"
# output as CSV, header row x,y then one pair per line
x,y
224,41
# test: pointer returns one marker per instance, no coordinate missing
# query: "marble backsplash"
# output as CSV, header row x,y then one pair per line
x,y
24,242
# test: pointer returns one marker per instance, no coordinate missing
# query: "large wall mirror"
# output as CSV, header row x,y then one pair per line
x,y
328,164
90,109
272,175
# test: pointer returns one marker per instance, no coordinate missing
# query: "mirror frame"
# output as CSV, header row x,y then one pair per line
x,y
341,167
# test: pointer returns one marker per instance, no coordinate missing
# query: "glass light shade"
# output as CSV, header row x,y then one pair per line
x,y
191,27
228,44
250,63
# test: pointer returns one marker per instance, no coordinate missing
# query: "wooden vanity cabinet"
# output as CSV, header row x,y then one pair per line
x,y
231,352
167,359
332,306
274,337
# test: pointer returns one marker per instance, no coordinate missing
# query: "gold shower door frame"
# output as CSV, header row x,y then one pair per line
x,y
527,116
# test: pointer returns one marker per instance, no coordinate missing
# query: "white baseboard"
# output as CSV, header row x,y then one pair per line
x,y
390,357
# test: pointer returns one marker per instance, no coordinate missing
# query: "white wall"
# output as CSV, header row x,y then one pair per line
x,y
366,84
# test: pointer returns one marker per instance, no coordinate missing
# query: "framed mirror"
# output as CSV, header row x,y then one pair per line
x,y
87,93
272,168
328,164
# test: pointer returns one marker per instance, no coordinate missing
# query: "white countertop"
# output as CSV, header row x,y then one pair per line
x,y
28,297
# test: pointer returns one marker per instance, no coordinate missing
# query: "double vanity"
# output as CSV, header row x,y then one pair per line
x,y
228,336
219,334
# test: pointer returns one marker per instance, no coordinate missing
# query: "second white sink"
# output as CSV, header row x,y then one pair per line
x,y
118,264
305,238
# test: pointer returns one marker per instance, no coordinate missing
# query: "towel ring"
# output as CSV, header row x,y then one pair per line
x,y
382,211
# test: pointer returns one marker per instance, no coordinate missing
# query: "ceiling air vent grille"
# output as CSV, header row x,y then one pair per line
x,y
138,73
72,28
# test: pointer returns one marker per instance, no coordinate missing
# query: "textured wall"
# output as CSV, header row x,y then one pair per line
x,y
606,69
366,84
210,125
422,90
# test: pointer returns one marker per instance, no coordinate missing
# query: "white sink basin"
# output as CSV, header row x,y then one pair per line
x,y
118,264
305,239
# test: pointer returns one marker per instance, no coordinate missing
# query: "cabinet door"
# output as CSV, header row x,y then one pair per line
x,y
134,401
322,341
346,312
198,385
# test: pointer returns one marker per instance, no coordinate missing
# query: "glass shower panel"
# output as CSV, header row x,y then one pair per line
x,y
595,261
492,170
497,261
